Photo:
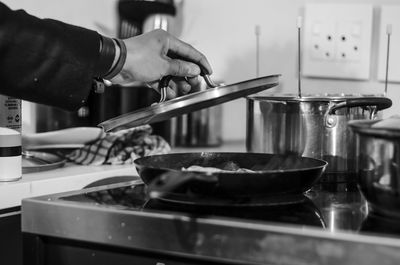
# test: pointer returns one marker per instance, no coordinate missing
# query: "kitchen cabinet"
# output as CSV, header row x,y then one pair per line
x,y
49,250
10,236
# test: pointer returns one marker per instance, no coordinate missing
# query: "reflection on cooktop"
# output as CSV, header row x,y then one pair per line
x,y
294,209
332,211
381,225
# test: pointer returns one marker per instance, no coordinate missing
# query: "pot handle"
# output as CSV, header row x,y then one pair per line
x,y
172,180
379,102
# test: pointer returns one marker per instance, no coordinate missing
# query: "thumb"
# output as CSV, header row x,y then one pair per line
x,y
182,68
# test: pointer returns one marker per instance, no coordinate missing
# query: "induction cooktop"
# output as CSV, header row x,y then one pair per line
x,y
319,225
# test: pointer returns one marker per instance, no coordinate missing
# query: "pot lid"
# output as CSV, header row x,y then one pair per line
x,y
190,102
383,128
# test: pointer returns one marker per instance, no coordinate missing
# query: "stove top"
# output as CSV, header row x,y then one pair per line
x,y
291,209
319,225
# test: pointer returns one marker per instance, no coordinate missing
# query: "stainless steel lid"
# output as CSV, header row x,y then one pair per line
x,y
384,128
190,102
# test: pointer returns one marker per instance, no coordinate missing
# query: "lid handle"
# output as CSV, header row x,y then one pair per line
x,y
164,83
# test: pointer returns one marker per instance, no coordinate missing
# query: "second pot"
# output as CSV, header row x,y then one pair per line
x,y
311,126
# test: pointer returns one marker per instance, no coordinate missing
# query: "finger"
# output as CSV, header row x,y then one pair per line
x,y
172,85
196,83
154,85
182,68
186,51
171,93
183,87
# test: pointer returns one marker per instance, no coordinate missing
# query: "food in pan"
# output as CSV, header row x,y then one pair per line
x,y
225,167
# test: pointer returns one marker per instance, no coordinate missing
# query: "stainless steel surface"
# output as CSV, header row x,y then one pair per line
x,y
164,84
257,32
378,160
388,33
199,128
311,126
299,25
158,21
190,102
209,81
163,94
226,236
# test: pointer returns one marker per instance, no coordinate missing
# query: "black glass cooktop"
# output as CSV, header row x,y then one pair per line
x,y
328,209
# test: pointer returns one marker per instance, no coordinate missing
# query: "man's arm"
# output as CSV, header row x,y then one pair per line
x,y
44,60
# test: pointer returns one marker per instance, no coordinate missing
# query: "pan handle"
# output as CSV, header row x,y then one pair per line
x,y
172,180
380,103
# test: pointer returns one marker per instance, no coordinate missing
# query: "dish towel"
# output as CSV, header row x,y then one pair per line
x,y
121,147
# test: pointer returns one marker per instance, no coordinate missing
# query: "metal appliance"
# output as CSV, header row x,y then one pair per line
x,y
118,224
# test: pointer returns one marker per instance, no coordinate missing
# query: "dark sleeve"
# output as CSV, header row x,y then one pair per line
x,y
44,60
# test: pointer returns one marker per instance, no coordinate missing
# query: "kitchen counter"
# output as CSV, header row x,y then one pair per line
x,y
68,178
74,177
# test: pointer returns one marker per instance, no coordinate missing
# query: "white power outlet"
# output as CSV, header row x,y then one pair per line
x,y
323,47
337,40
349,42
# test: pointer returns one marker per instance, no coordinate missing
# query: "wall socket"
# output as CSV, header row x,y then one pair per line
x,y
349,42
322,44
337,40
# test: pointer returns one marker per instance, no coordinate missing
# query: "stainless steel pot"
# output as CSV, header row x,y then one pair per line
x,y
198,128
311,126
378,160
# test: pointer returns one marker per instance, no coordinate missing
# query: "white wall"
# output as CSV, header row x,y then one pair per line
x,y
93,14
224,31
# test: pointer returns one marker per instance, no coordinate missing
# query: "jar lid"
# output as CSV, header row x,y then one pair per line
x,y
9,137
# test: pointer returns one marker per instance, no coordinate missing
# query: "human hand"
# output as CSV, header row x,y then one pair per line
x,y
153,55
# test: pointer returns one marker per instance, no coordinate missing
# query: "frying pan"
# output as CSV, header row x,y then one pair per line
x,y
273,174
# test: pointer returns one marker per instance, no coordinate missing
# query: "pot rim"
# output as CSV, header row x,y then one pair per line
x,y
363,127
324,97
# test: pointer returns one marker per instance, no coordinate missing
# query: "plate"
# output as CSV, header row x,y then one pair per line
x,y
34,161
60,150
55,146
